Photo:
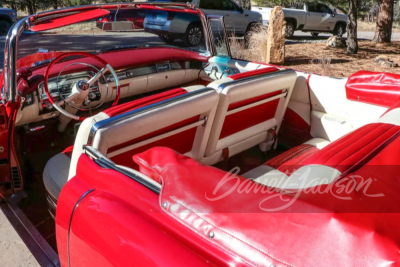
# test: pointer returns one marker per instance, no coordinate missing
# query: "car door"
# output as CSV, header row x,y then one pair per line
x,y
235,20
235,17
313,18
6,185
109,215
327,20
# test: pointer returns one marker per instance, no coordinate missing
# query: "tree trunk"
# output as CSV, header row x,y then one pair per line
x,y
352,43
384,22
30,6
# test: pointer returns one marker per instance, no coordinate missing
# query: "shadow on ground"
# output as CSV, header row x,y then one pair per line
x,y
298,60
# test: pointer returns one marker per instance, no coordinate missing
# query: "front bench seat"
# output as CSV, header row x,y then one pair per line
x,y
249,107
180,105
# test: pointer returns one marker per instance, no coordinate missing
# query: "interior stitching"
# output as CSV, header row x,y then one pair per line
x,y
345,143
367,145
359,149
340,141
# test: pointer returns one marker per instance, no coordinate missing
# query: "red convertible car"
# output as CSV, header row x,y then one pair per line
x,y
117,149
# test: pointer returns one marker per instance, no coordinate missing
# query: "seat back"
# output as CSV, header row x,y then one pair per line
x,y
247,109
182,123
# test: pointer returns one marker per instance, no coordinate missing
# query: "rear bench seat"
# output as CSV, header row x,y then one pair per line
x,y
308,165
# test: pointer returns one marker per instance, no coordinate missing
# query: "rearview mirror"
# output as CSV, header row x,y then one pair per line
x,y
118,26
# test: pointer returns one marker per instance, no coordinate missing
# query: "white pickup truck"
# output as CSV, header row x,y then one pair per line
x,y
314,18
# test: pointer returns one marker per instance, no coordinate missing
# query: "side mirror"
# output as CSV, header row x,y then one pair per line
x,y
118,26
334,12
241,10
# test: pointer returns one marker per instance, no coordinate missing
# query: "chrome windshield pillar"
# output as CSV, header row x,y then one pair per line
x,y
10,59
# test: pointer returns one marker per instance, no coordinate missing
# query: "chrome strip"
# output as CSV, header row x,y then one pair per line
x,y
70,221
10,58
255,77
118,118
105,163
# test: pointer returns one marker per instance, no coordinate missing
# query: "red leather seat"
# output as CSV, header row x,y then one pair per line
x,y
306,165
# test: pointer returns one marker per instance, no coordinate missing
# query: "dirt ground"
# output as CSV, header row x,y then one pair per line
x,y
371,26
13,251
317,58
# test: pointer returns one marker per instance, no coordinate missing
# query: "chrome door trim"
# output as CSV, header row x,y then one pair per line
x,y
70,222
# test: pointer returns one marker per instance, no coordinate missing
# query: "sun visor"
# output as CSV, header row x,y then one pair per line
x,y
58,22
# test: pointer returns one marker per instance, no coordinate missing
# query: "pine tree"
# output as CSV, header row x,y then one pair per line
x,y
384,23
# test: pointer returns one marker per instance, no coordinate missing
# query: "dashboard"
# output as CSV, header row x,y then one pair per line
x,y
61,87
133,81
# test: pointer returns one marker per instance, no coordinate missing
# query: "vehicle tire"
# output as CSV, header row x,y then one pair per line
x,y
4,27
169,39
339,30
289,29
314,34
193,35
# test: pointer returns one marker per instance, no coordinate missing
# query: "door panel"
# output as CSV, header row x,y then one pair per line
x,y
5,177
319,18
327,22
313,21
234,19
312,17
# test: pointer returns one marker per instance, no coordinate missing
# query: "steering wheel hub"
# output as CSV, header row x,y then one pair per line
x,y
81,89
83,85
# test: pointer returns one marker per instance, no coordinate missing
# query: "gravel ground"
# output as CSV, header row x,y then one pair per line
x,y
13,251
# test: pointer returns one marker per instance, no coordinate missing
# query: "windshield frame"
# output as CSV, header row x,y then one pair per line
x,y
8,92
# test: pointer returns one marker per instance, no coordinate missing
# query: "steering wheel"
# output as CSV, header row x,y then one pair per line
x,y
81,89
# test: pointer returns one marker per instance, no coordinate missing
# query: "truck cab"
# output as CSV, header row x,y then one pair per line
x,y
311,17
